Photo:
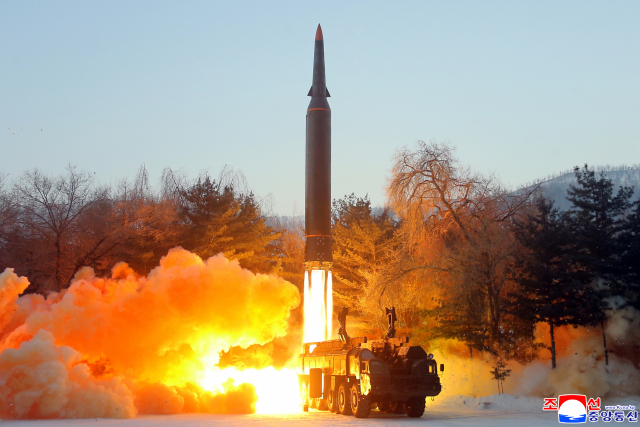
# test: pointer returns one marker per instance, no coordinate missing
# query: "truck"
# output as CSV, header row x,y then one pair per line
x,y
351,376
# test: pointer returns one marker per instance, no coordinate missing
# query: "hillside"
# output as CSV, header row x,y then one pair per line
x,y
555,187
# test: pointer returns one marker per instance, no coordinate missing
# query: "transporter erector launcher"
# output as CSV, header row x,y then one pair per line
x,y
318,293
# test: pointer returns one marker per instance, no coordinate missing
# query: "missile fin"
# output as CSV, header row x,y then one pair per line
x,y
328,96
310,91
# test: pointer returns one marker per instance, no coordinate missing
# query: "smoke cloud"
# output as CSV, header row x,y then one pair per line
x,y
114,347
10,287
581,360
581,366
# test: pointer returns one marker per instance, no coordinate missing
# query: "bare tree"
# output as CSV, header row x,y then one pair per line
x,y
8,210
142,222
172,183
431,185
52,208
458,222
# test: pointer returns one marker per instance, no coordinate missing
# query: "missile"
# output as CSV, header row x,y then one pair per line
x,y
318,287
318,164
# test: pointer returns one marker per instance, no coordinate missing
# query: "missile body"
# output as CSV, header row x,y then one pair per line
x,y
318,287
318,166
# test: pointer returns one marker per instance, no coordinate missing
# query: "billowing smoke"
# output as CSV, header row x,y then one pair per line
x,y
114,347
581,365
43,380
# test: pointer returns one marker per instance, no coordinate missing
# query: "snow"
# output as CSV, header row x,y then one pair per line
x,y
312,418
488,411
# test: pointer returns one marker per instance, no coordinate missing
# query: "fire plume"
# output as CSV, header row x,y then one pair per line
x,y
318,305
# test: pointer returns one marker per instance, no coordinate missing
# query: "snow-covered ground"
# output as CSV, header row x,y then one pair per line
x,y
488,411
312,418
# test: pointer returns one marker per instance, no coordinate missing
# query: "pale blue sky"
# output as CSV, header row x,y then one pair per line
x,y
523,89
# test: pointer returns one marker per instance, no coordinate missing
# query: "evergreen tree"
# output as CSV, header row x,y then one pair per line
x,y
553,289
362,244
462,319
597,218
217,219
629,249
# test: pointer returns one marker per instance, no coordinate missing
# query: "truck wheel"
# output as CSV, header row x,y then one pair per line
x,y
415,407
360,405
343,400
331,401
397,407
384,407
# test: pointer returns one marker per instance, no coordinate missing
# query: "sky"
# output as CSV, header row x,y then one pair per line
x,y
522,89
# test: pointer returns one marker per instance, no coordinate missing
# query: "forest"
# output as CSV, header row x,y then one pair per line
x,y
458,254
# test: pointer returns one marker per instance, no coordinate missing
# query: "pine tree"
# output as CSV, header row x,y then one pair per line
x,y
629,249
553,289
462,319
499,373
597,219
217,219
362,244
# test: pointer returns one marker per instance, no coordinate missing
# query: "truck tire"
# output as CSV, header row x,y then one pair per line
x,y
332,403
360,405
397,407
343,400
415,407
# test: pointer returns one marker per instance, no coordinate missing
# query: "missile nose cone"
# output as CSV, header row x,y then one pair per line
x,y
318,90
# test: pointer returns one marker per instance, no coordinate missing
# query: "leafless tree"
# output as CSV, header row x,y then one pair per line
x,y
52,208
8,210
172,183
431,185
143,221
456,221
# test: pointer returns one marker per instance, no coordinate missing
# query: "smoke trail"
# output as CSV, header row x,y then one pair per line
x,y
109,347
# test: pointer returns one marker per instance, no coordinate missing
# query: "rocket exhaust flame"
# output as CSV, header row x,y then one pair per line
x,y
318,305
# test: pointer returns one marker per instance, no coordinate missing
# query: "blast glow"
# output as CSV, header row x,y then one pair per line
x,y
277,390
318,305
